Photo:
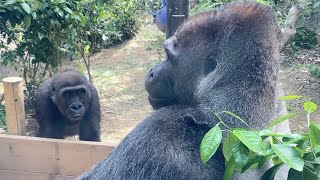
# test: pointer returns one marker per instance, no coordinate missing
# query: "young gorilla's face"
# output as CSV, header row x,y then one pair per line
x,y
72,101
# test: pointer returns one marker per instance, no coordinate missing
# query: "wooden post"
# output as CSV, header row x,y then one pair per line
x,y
14,103
177,13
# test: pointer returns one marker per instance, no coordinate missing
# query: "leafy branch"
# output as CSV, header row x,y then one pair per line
x,y
248,149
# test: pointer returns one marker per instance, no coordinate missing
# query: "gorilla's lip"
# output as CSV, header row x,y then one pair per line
x,y
76,116
160,99
157,103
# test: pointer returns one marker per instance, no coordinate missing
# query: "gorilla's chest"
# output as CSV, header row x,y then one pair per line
x,y
71,129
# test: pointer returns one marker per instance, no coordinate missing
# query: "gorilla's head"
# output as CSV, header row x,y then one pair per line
x,y
70,94
214,49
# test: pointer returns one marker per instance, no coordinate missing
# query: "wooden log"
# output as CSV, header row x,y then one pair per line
x,y
50,157
14,102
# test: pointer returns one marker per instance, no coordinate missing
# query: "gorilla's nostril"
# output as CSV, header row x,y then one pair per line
x,y
151,75
74,108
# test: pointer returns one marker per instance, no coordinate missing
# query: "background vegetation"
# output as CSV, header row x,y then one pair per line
x,y
47,31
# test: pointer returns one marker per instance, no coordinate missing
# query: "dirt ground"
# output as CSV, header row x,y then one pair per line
x,y
296,80
119,77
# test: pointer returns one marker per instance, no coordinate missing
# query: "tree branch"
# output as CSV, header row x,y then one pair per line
x,y
289,27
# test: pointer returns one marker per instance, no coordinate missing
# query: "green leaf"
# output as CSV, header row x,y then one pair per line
x,y
253,159
83,21
270,173
309,156
309,172
61,14
316,5
289,155
295,138
35,5
228,145
34,15
67,10
230,168
294,175
210,143
309,106
249,138
314,134
27,21
26,7
264,159
318,172
268,132
265,149
283,118
289,97
9,2
236,116
240,154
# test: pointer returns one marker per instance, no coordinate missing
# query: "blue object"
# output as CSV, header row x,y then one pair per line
x,y
160,17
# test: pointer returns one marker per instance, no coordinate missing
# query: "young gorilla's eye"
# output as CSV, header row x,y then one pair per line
x,y
68,93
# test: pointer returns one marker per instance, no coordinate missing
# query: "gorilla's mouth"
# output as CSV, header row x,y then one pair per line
x,y
76,116
157,103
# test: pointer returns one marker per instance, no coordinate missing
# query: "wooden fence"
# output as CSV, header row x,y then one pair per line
x,y
32,158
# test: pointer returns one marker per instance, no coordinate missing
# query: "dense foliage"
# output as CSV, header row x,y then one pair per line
x,y
3,123
45,31
246,149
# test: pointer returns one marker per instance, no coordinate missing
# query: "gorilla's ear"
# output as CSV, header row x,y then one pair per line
x,y
210,64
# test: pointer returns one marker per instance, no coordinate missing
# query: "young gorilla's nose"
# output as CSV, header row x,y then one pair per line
x,y
76,106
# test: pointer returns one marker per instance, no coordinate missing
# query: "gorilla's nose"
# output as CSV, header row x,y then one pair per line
x,y
157,84
76,106
152,75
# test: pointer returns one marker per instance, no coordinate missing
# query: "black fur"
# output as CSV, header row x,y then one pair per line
x,y
222,60
68,104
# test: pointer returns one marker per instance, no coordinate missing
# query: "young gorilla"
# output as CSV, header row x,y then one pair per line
x,y
226,59
68,104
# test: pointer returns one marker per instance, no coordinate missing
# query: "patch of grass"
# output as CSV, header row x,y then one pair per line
x,y
314,70
3,122
156,43
104,72
151,63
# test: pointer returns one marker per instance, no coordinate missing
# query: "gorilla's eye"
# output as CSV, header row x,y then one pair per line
x,y
175,43
67,93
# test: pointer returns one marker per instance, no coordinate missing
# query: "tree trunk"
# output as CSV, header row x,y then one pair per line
x,y
289,27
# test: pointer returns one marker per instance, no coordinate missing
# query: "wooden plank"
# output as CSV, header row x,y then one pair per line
x,y
50,156
18,175
13,90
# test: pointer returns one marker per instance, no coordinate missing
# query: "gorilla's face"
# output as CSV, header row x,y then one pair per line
x,y
174,81
72,102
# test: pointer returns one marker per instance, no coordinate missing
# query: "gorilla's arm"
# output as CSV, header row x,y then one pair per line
x,y
163,146
90,125
47,113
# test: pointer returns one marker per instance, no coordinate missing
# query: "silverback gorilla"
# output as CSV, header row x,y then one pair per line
x,y
68,104
225,59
